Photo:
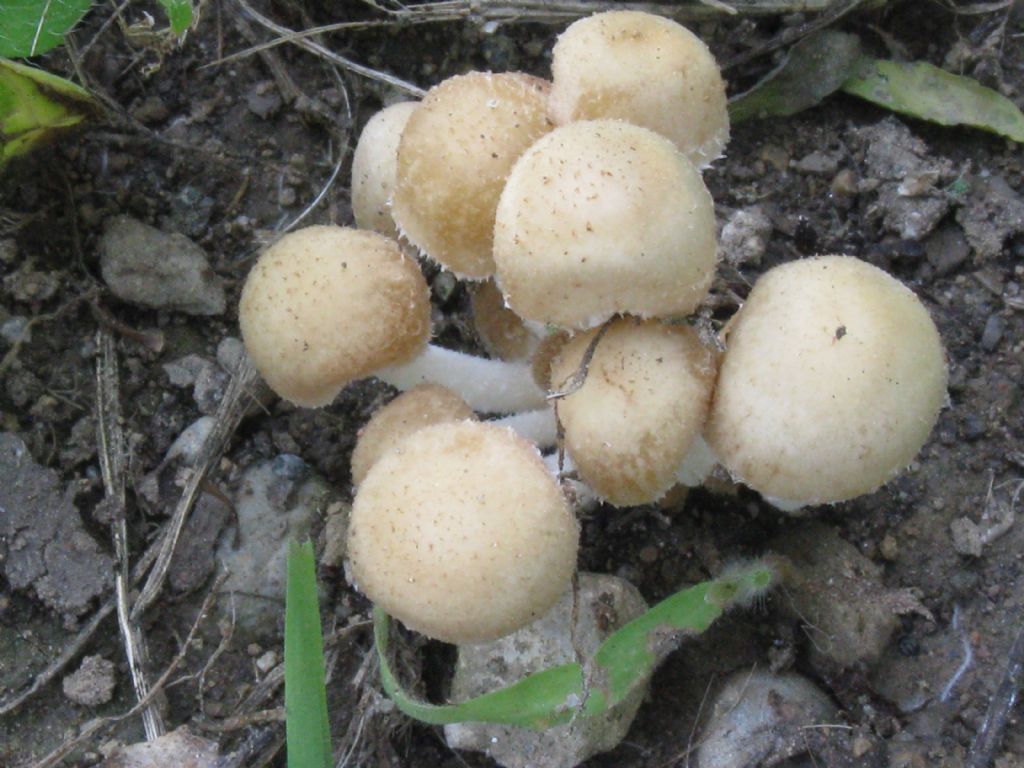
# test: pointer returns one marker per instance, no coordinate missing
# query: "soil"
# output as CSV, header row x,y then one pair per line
x,y
227,152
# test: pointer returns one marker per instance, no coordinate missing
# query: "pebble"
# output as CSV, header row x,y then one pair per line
x,y
947,249
160,270
16,329
818,163
92,684
744,237
993,332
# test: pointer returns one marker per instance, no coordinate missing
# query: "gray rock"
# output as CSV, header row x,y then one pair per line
x,y
745,237
993,333
947,249
274,506
819,163
605,604
92,684
230,352
184,371
145,266
211,384
16,330
992,213
758,718
43,543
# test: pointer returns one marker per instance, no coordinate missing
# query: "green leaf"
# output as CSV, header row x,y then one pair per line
x,y
624,661
813,69
929,93
32,27
305,693
36,106
179,12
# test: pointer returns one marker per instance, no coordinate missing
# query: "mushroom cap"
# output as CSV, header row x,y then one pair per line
x,y
462,533
422,406
600,218
642,405
326,305
453,158
644,69
374,166
832,379
502,331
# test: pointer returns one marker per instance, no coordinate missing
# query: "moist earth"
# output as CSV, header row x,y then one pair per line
x,y
201,160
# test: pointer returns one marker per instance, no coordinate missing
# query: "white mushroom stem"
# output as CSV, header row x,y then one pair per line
x,y
537,426
585,498
490,386
697,464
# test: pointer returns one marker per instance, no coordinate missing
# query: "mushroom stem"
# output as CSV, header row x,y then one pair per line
x,y
583,495
490,386
538,426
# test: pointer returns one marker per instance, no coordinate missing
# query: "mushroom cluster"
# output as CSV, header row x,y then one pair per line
x,y
578,211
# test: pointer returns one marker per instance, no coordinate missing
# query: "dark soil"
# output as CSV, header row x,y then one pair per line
x,y
227,153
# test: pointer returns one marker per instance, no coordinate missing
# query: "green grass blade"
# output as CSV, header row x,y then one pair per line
x,y
179,13
624,661
32,27
924,91
305,693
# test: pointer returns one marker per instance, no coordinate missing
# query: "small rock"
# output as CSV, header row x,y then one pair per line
x,y
266,662
179,748
605,604
263,103
230,352
818,163
184,371
947,249
759,718
993,332
145,266
211,384
844,183
992,213
93,683
16,330
745,237
889,548
255,555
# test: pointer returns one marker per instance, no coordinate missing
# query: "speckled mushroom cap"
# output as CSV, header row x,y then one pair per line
x,y
326,305
462,533
374,165
600,218
422,406
646,70
453,158
832,379
644,402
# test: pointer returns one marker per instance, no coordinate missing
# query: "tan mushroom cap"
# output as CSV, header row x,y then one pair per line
x,y
453,158
644,402
502,331
374,166
326,305
540,362
422,406
601,218
646,70
832,379
462,533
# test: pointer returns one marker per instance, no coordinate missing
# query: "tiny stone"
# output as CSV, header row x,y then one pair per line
x,y
889,548
93,683
230,353
286,197
649,554
184,371
16,329
151,110
818,163
973,427
254,649
860,747
993,332
266,662
844,183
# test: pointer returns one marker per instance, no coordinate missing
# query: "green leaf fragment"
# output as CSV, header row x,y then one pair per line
x,y
625,660
35,106
814,68
305,693
924,91
32,27
179,13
